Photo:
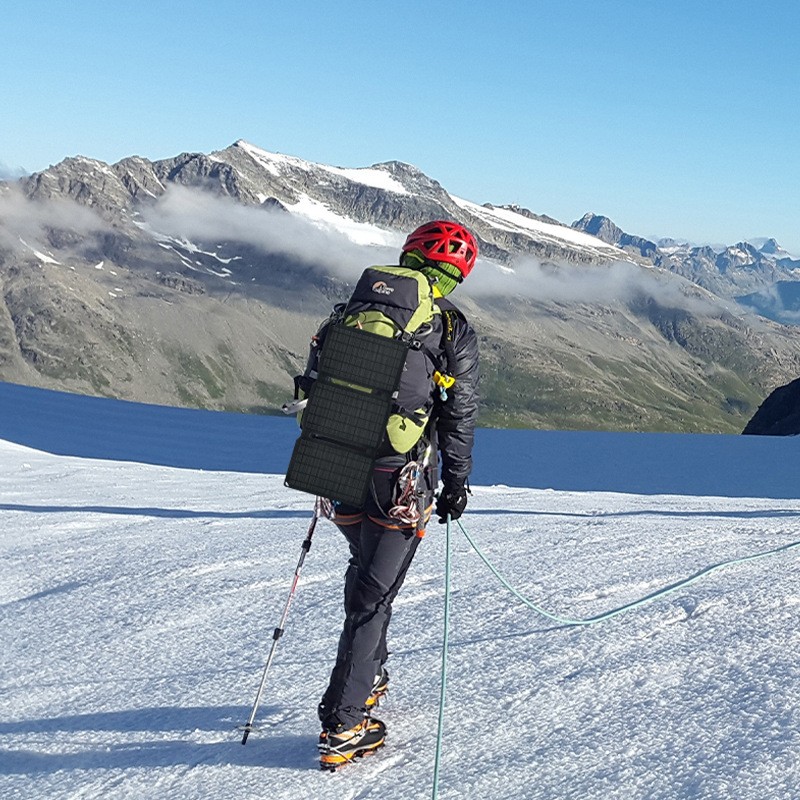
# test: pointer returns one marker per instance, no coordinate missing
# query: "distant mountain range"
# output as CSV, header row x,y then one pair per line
x,y
728,271
197,281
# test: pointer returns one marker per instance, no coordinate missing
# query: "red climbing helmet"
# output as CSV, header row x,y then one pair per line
x,y
445,241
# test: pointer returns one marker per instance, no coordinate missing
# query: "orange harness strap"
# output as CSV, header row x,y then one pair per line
x,y
394,527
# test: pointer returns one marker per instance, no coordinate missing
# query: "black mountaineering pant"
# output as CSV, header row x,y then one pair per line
x,y
381,550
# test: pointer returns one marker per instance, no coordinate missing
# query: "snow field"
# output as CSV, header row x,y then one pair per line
x,y
137,605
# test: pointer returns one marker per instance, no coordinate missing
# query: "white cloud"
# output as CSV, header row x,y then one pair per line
x,y
192,215
11,173
322,241
618,282
195,215
29,220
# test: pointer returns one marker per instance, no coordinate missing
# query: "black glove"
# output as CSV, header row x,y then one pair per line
x,y
452,501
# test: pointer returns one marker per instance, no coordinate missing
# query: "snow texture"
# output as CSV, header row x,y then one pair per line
x,y
138,600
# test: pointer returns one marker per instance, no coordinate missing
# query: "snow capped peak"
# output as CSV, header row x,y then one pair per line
x,y
277,164
770,247
743,251
273,161
88,163
516,222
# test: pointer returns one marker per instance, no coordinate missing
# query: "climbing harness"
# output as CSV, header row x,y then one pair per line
x,y
409,496
406,508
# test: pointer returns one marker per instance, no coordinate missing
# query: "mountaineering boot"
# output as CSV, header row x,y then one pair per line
x,y
339,745
379,690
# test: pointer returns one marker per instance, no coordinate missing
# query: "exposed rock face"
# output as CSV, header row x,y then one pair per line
x,y
604,229
772,248
779,414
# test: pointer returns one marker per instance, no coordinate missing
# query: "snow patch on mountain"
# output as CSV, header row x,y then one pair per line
x,y
361,233
368,176
518,223
45,259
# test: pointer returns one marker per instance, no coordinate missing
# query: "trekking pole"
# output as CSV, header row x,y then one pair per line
x,y
443,680
278,632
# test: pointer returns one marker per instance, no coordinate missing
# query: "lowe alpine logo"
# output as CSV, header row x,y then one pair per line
x,y
380,287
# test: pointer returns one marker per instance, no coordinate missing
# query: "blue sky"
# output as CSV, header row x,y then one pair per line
x,y
677,118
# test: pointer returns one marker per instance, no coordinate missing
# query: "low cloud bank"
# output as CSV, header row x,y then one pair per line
x,y
26,224
619,282
771,300
196,215
200,216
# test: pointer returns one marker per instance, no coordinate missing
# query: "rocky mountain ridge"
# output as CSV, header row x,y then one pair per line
x,y
197,280
730,271
605,230
779,414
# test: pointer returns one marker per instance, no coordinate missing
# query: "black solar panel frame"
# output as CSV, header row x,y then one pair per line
x,y
362,358
344,422
328,469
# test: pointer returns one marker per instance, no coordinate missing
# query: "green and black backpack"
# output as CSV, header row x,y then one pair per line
x,y
369,382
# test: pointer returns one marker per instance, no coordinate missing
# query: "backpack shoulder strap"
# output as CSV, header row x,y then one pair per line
x,y
449,316
445,379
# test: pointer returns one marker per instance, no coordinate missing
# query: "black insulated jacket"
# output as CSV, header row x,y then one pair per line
x,y
456,417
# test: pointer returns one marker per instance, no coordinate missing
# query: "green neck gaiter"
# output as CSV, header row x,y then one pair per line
x,y
443,275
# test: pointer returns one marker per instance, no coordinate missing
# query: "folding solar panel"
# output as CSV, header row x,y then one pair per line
x,y
362,358
344,422
329,470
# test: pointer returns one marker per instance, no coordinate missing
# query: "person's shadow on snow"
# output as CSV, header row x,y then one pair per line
x,y
268,748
